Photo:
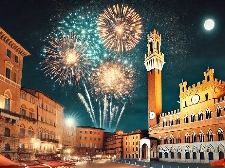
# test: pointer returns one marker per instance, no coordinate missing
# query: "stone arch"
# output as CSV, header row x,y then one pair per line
x,y
201,148
8,94
194,149
220,148
210,148
210,135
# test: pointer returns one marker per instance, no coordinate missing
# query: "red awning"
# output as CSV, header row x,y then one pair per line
x,y
7,163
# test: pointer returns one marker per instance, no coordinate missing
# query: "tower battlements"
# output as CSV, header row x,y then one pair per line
x,y
208,83
170,113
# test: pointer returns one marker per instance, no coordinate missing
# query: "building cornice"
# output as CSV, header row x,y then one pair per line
x,y
7,39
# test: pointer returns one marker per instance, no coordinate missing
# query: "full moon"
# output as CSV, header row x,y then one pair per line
x,y
209,24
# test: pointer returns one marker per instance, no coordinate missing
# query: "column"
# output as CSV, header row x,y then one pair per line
x,y
140,154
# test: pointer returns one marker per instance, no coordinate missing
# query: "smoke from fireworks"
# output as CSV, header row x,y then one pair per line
x,y
119,28
66,59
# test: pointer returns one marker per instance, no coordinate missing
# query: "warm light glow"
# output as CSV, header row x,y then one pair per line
x,y
70,122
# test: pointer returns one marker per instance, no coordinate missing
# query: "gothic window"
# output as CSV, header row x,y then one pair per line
x,y
210,135
160,140
208,114
220,134
23,112
194,137
31,132
171,122
218,112
186,119
165,140
193,118
200,116
201,136
151,46
164,123
177,121
171,139
158,47
7,104
22,130
7,132
187,138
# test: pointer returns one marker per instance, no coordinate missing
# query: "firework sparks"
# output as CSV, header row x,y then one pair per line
x,y
119,28
113,78
66,59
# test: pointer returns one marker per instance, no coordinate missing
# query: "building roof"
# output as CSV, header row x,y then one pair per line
x,y
7,39
89,127
34,91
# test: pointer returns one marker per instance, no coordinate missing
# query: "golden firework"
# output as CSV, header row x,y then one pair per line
x,y
66,59
119,28
113,78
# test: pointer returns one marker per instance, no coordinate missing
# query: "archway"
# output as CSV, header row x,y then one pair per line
x,y
144,151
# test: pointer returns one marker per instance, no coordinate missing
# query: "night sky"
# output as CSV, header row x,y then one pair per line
x,y
188,48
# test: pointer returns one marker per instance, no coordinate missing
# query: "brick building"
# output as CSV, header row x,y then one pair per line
x,y
195,132
31,123
131,143
11,64
114,145
89,141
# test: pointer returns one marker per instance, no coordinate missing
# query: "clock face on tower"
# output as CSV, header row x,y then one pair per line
x,y
152,115
195,99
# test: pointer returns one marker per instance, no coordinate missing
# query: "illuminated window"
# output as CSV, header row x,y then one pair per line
x,y
7,104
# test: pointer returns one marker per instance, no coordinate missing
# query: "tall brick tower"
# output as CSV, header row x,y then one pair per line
x,y
154,62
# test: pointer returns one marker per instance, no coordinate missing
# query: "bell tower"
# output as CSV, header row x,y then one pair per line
x,y
154,62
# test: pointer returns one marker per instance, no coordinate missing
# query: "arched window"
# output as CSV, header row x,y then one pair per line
x,y
7,104
177,120
220,134
187,155
218,112
208,113
193,119
201,136
171,122
187,138
7,132
200,116
186,119
166,140
194,139
210,135
22,130
31,132
171,139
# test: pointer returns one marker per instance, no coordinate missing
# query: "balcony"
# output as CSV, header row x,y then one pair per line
x,y
28,118
9,114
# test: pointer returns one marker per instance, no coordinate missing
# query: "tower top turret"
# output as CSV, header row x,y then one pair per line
x,y
154,59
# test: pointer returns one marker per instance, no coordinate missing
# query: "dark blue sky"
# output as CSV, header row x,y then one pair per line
x,y
188,48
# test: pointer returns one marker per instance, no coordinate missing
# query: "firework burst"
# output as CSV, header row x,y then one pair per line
x,y
113,78
66,59
119,28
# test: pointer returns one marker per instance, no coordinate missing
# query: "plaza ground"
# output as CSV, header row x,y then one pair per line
x,y
107,164
102,164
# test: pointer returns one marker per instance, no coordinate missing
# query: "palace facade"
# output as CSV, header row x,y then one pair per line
x,y
31,123
195,132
